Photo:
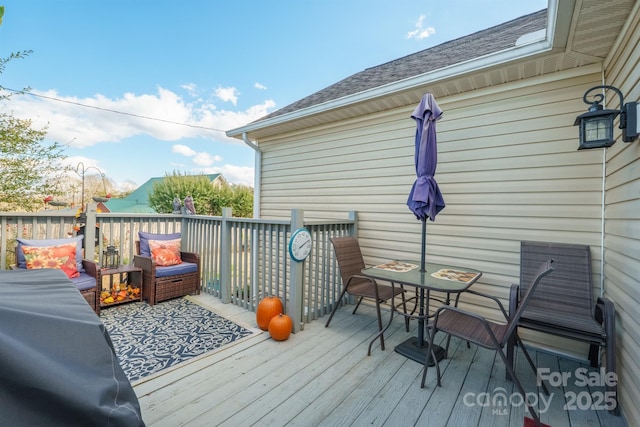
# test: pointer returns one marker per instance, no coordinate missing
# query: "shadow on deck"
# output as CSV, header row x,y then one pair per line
x,y
323,377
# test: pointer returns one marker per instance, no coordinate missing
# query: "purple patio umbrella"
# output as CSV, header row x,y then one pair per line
x,y
425,199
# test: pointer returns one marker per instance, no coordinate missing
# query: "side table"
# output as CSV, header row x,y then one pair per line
x,y
120,285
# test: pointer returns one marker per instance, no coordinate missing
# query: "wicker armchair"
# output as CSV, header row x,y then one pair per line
x,y
163,283
89,278
91,295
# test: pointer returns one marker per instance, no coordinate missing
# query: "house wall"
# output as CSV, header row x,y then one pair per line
x,y
622,224
509,170
508,167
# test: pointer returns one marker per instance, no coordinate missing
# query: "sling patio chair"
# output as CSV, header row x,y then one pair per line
x,y
351,263
564,303
476,329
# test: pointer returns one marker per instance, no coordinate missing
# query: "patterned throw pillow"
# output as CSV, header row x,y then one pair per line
x,y
145,237
165,252
22,263
62,257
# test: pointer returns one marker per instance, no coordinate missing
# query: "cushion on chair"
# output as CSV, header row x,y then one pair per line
x,y
145,237
84,282
22,262
61,257
172,270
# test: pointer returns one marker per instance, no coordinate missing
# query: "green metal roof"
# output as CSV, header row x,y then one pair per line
x,y
138,200
127,206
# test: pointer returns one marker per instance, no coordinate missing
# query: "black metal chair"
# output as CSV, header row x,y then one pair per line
x,y
351,264
488,334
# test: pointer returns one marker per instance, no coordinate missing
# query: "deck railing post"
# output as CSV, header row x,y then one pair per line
x,y
90,232
3,243
296,273
225,256
353,216
185,231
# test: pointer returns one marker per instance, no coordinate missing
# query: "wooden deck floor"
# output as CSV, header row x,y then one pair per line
x,y
323,377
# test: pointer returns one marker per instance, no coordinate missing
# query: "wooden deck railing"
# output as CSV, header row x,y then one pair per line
x,y
243,259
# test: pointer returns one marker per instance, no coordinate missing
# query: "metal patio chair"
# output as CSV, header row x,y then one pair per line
x,y
351,263
488,334
564,304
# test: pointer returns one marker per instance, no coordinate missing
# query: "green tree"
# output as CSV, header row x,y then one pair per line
x,y
221,198
242,202
30,168
181,186
208,200
237,197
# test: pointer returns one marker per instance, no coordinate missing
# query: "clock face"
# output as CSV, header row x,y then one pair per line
x,y
300,244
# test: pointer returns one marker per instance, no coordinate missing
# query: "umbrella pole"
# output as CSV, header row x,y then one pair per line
x,y
423,249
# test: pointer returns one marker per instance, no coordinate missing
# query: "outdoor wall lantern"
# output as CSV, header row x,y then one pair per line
x,y
596,125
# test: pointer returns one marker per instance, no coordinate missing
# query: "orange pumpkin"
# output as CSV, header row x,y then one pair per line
x,y
268,308
280,327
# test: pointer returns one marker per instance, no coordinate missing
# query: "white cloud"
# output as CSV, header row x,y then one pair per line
x,y
112,120
191,88
228,94
233,174
198,158
260,86
85,122
420,32
79,162
183,149
205,159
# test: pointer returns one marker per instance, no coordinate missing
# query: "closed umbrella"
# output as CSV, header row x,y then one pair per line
x,y
425,199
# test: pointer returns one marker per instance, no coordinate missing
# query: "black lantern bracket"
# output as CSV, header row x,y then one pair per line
x,y
596,125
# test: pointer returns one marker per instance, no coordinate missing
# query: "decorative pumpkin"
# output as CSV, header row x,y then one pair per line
x,y
268,308
280,327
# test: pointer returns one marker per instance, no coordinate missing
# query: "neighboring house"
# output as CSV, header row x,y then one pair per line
x,y
138,200
508,164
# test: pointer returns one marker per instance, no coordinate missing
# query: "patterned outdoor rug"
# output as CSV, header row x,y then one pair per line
x,y
149,339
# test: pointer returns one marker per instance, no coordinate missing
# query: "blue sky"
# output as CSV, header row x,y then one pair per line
x,y
210,65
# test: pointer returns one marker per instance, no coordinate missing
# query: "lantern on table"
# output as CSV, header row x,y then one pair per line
x,y
110,257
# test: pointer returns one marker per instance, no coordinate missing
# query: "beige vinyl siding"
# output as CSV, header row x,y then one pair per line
x,y
508,167
509,170
622,225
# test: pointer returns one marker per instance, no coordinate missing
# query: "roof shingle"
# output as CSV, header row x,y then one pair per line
x,y
491,40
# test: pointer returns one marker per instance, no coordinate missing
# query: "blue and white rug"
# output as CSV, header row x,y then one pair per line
x,y
148,339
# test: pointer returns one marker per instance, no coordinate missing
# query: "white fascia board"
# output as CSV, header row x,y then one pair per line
x,y
559,16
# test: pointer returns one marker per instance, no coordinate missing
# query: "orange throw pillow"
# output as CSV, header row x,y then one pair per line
x,y
62,257
165,252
